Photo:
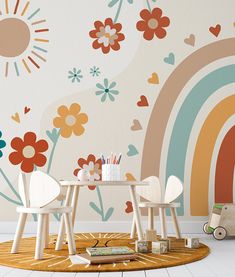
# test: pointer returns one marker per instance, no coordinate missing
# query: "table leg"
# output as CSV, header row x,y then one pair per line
x,y
61,233
74,203
136,212
162,216
133,228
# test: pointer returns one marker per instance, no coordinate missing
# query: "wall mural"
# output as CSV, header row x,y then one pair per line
x,y
23,35
170,116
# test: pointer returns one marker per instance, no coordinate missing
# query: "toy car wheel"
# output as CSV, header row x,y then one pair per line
x,y
219,233
206,229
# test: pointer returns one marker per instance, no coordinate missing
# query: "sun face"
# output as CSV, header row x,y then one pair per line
x,y
23,37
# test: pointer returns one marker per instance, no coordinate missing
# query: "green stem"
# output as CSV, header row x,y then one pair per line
x,y
101,202
10,185
118,11
52,153
10,200
149,8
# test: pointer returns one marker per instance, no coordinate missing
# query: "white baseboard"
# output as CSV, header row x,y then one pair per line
x,y
187,227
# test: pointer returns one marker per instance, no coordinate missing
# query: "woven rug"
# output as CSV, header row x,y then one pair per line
x,y
59,260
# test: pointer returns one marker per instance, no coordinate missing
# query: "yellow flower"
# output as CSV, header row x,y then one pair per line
x,y
70,120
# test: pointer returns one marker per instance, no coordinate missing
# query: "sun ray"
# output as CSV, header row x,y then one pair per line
x,y
39,56
16,69
26,66
40,49
41,30
33,14
6,69
25,8
16,6
7,8
33,62
41,40
38,22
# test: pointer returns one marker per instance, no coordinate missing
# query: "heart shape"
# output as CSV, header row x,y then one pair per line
x,y
16,117
190,40
43,189
132,151
129,207
26,110
170,59
154,79
143,101
215,30
130,177
53,135
136,125
152,192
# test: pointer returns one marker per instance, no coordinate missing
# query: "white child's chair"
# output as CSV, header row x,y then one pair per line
x,y
152,193
43,190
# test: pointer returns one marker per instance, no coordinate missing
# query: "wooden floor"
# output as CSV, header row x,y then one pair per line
x,y
220,263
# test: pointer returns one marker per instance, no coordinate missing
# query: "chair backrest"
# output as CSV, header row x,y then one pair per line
x,y
23,189
152,192
174,188
43,189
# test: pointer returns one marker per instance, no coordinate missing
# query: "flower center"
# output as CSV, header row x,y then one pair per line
x,y
152,23
106,90
28,152
92,172
107,35
70,120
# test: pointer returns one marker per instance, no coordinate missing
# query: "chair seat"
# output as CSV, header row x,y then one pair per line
x,y
158,205
44,210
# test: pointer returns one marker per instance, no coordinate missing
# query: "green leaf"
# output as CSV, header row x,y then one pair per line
x,y
154,0
108,214
95,208
53,135
130,1
112,3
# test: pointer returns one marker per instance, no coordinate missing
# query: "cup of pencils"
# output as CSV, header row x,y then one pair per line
x,y
111,167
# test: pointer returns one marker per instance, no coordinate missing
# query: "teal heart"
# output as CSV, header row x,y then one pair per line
x,y
170,59
53,135
132,151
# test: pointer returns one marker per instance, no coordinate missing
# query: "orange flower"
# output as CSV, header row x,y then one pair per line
x,y
70,120
153,23
92,165
28,152
107,35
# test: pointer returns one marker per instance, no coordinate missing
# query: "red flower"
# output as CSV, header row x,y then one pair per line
x,y
153,23
28,152
107,35
92,165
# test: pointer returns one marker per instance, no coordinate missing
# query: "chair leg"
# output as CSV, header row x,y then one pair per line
x,y
47,231
162,216
69,232
40,237
175,222
133,228
19,233
150,219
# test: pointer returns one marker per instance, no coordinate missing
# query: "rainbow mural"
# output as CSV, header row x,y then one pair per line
x,y
176,151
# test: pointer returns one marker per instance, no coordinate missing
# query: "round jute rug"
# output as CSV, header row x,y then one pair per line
x,y
59,260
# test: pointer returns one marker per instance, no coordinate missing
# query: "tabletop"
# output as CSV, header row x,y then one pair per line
x,y
102,183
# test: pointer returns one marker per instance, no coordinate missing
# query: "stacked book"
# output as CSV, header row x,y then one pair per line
x,y
104,255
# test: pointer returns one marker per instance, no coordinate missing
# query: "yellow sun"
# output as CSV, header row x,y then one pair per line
x,y
23,37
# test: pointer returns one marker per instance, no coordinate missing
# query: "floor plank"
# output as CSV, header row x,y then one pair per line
x,y
87,274
63,274
179,271
110,274
4,270
40,274
133,274
199,269
18,273
161,272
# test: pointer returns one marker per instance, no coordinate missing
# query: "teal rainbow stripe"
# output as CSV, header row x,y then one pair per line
x,y
185,119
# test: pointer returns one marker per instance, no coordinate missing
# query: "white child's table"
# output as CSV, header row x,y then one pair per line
x,y
73,188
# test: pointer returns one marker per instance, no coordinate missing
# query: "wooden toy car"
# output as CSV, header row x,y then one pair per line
x,y
222,221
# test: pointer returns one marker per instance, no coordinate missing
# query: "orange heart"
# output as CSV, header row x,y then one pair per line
x,y
190,40
215,30
130,177
143,101
16,117
129,207
136,125
154,79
